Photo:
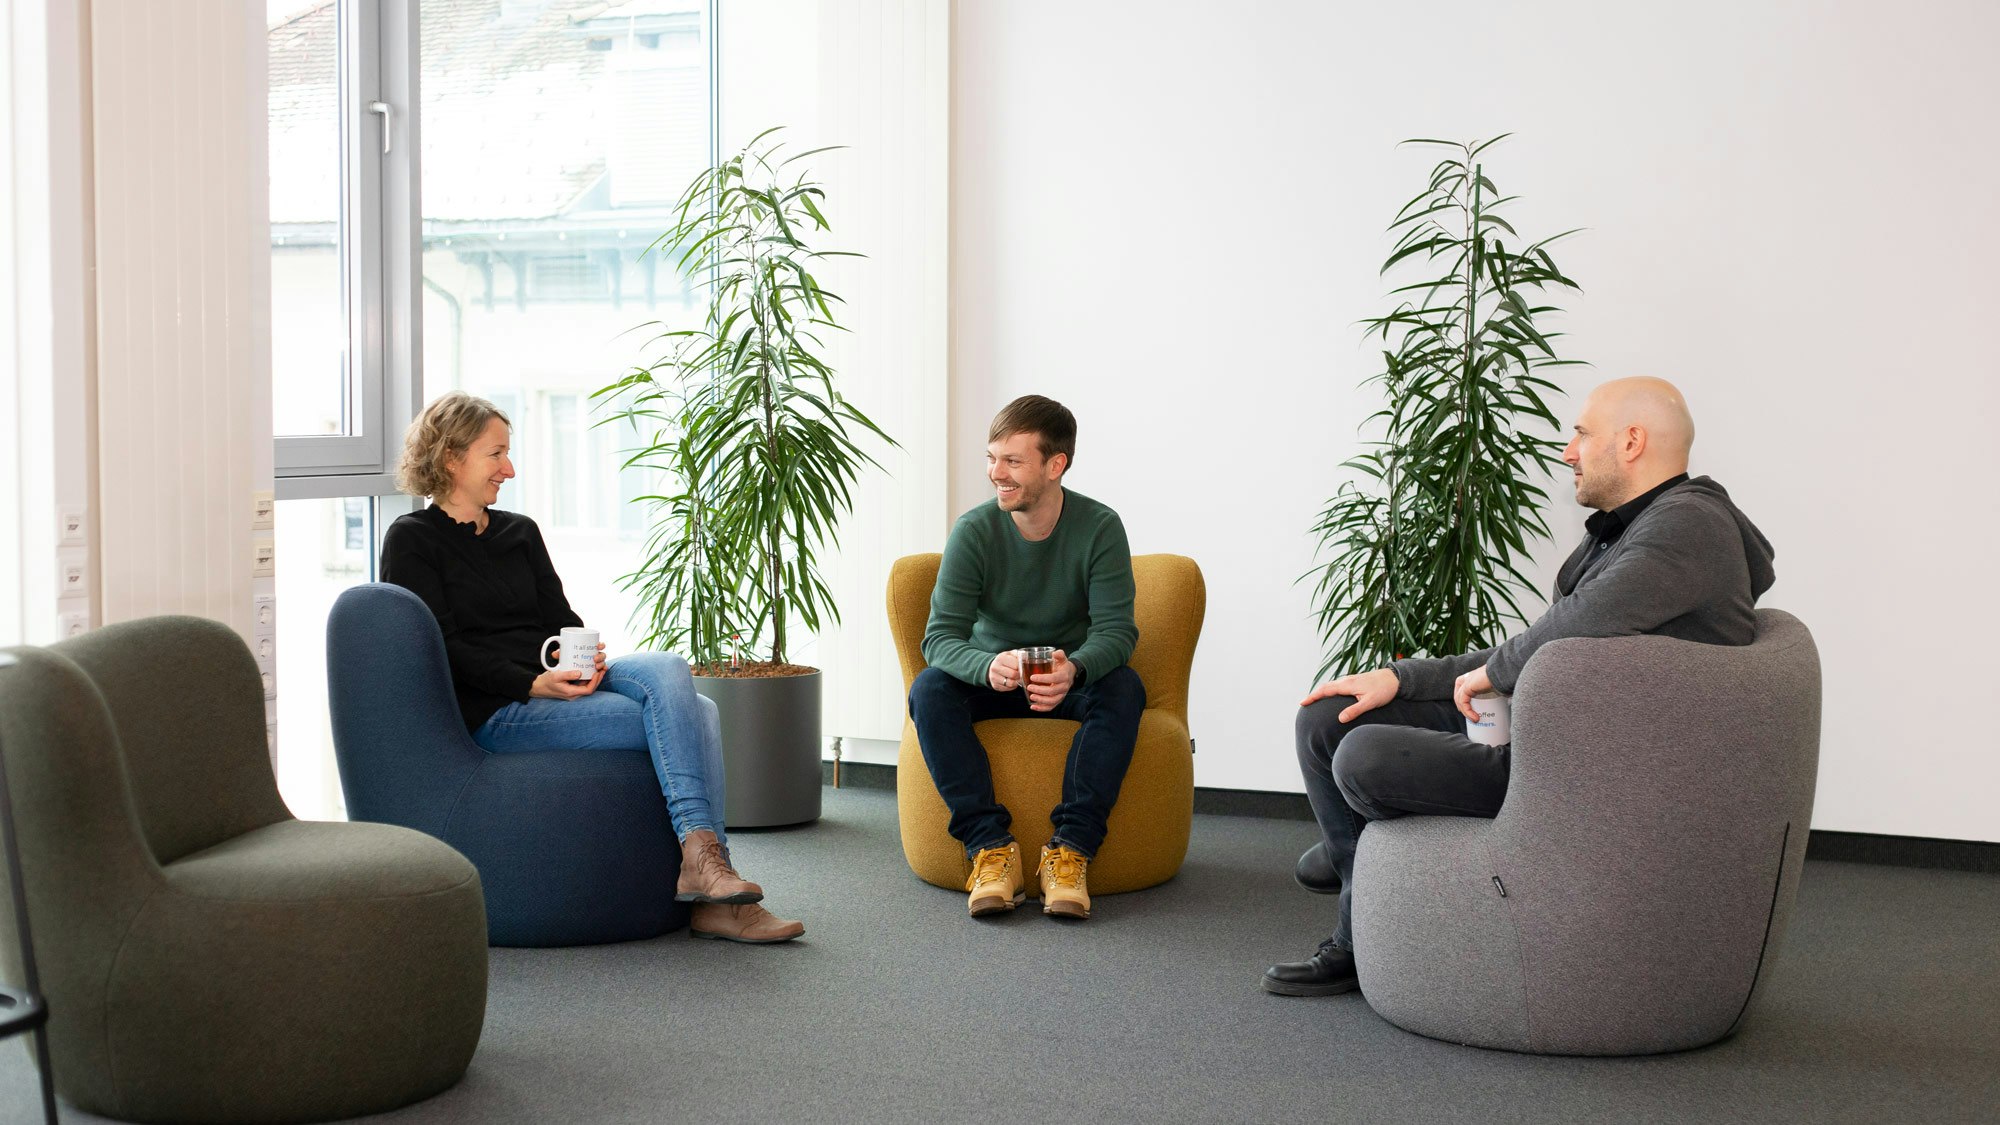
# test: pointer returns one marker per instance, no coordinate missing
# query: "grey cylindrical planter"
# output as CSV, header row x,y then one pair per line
x,y
770,748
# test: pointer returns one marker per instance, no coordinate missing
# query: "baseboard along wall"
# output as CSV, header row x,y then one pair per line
x,y
1838,847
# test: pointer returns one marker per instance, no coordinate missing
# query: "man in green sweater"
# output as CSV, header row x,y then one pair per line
x,y
1036,565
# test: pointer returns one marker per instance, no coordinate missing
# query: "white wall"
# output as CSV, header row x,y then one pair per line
x,y
870,75
1169,215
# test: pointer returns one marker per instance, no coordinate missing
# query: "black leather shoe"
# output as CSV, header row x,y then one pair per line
x,y
1315,871
1325,973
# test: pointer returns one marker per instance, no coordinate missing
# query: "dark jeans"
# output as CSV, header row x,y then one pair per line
x,y
1407,756
944,709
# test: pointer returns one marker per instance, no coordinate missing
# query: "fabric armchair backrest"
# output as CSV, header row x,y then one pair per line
x,y
1612,735
187,703
911,580
86,861
1170,605
398,736
1662,788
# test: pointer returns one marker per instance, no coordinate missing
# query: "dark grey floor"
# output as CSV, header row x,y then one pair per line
x,y
896,1007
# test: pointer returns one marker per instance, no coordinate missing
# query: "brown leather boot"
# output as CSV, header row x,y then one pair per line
x,y
706,875
749,923
995,883
1065,890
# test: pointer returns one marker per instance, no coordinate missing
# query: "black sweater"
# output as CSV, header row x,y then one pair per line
x,y
496,597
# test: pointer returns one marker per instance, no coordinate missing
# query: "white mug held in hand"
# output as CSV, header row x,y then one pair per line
x,y
1496,720
575,649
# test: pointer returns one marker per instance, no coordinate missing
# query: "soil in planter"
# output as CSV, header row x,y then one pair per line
x,y
752,670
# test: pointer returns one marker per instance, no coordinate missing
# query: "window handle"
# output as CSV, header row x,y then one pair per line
x,y
383,109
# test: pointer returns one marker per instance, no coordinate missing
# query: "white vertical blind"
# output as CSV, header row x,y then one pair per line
x,y
181,408
884,92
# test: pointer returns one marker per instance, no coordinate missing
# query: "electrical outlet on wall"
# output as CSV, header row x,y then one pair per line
x,y
73,624
72,528
74,582
267,654
270,684
267,614
264,564
263,510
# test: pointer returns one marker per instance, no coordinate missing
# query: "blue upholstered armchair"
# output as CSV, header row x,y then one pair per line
x,y
573,846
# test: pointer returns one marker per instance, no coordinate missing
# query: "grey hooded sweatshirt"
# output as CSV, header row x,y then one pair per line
x,y
1691,566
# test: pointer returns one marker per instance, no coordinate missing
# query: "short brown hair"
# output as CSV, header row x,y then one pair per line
x,y
446,429
1050,421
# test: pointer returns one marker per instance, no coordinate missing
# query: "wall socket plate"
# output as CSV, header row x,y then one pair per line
x,y
71,531
263,511
266,615
267,654
73,624
73,581
270,685
264,559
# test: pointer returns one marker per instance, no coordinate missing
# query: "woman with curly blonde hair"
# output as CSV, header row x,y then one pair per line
x,y
486,574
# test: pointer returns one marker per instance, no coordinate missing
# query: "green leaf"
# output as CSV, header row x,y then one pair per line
x,y
1415,549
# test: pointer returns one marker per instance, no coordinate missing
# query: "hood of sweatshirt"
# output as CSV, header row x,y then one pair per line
x,y
1756,549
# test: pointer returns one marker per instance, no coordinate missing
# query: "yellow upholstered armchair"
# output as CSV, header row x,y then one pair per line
x,y
1148,834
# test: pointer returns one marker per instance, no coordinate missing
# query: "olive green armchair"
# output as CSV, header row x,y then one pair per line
x,y
206,956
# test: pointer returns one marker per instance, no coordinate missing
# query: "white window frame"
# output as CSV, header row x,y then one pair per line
x,y
383,256
382,261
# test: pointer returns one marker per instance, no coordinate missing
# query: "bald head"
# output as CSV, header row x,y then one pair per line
x,y
1631,435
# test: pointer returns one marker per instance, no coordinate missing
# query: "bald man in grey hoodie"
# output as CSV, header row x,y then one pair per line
x,y
1664,554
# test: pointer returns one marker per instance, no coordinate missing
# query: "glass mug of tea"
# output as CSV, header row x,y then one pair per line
x,y
1039,660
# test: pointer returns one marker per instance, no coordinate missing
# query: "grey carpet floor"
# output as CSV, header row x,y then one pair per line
x,y
1885,1006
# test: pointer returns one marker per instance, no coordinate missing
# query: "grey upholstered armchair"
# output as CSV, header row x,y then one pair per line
x,y
1634,890
206,957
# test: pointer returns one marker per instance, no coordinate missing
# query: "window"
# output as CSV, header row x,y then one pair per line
x,y
324,546
554,147
549,139
339,391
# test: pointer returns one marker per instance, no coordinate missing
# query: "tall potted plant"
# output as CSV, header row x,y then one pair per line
x,y
1421,552
742,416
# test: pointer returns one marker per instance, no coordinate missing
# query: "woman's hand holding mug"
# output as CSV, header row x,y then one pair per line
x,y
578,667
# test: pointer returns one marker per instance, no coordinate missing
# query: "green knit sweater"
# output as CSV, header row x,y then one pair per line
x,y
997,591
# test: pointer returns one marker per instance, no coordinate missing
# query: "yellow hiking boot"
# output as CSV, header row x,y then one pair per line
x,y
1064,893
996,882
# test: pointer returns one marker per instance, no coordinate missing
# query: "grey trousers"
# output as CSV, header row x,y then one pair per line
x,y
1407,756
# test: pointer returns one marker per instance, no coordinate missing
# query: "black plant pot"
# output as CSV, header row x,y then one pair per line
x,y
770,748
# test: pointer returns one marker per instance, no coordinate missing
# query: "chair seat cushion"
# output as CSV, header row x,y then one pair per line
x,y
295,860
302,971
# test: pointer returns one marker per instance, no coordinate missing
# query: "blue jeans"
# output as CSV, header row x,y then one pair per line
x,y
944,710
646,702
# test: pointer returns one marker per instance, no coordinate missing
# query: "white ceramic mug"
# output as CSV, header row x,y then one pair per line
x,y
1496,720
575,649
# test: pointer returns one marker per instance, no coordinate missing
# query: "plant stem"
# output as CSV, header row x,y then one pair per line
x,y
773,561
1460,620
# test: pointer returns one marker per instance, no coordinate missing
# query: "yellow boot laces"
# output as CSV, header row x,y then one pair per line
x,y
1064,868
991,866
